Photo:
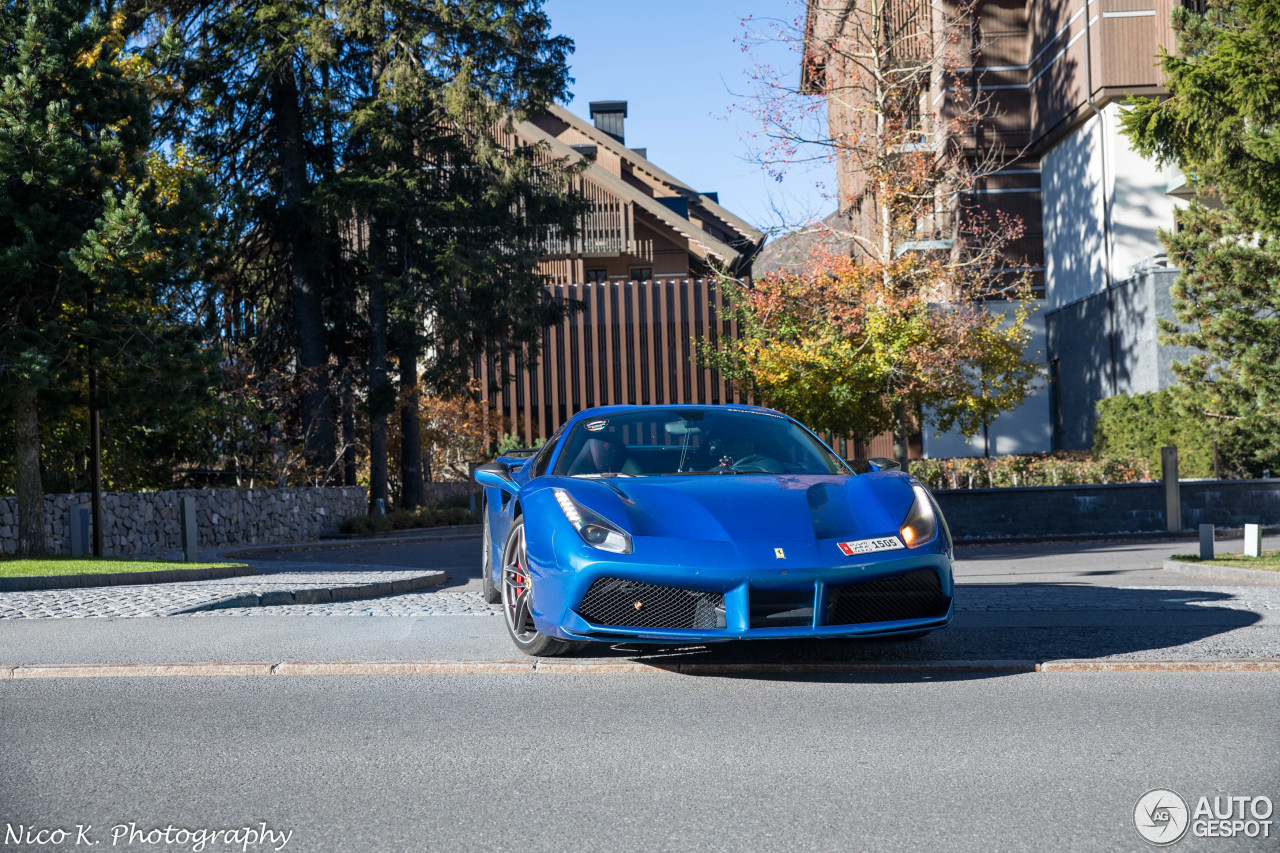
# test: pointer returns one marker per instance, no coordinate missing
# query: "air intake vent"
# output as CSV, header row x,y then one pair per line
x,y
630,604
914,595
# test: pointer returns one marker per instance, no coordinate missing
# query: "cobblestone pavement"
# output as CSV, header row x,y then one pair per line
x,y
412,604
177,598
993,598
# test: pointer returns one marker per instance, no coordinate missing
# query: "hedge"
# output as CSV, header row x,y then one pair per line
x,y
1064,468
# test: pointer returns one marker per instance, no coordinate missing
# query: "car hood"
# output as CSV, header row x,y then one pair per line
x,y
748,507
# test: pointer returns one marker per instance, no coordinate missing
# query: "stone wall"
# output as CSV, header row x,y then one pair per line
x,y
150,523
1106,510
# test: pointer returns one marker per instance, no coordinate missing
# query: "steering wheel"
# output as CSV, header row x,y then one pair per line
x,y
756,462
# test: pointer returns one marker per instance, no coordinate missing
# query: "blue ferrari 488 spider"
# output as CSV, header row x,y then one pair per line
x,y
695,524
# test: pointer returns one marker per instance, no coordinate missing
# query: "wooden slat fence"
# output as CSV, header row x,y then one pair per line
x,y
633,343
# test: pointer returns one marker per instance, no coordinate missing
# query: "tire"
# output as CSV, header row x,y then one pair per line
x,y
491,593
516,592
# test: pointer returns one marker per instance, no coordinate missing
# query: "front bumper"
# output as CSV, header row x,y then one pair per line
x,y
751,599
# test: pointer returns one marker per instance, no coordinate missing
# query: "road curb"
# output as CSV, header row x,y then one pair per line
x,y
322,595
31,584
138,670
1225,573
427,534
1160,666
569,667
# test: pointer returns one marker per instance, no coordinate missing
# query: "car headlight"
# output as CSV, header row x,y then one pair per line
x,y
921,524
594,530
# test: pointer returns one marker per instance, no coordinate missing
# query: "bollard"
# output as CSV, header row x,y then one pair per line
x,y
1172,495
1253,540
79,531
1206,541
190,546
473,504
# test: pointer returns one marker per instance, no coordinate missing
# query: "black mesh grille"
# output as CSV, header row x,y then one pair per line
x,y
631,604
914,595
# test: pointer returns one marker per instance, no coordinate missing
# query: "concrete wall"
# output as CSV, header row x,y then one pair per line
x,y
1071,213
150,523
1025,429
1109,336
1092,170
1112,509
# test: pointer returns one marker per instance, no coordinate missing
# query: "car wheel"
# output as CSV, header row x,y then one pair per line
x,y
517,596
491,593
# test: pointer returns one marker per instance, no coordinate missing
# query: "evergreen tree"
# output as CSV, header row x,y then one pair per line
x,y
377,212
252,95
1221,126
90,253
456,213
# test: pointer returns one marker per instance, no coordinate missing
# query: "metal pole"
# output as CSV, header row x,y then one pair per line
x,y
95,462
1206,541
1172,495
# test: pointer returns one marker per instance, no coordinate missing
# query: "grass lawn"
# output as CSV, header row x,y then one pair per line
x,y
91,566
1269,561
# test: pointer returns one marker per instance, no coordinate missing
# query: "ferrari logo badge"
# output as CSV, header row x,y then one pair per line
x,y
778,552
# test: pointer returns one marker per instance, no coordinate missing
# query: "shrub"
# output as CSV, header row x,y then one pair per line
x,y
1138,425
1064,468
410,519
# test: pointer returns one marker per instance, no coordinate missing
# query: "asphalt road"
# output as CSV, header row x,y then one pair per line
x,y
625,762
657,761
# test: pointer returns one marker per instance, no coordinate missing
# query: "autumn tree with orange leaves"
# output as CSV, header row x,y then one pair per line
x,y
843,347
887,323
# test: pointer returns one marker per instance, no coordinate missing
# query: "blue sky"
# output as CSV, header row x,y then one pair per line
x,y
677,64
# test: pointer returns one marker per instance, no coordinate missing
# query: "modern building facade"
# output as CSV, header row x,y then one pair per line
x,y
1057,73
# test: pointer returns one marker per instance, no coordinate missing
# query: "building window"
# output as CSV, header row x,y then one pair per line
x,y
594,276
641,273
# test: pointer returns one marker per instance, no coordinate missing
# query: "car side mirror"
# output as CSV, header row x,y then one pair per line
x,y
879,463
496,474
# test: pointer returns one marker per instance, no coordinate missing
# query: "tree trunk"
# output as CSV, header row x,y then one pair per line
x,y
27,462
413,490
379,388
346,395
901,434
306,282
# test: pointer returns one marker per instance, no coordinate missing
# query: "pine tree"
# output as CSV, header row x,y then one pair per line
x,y
89,253
1221,126
456,214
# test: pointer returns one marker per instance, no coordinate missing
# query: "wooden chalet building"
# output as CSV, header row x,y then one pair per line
x,y
644,264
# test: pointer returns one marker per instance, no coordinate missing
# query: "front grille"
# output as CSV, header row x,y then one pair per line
x,y
631,604
914,595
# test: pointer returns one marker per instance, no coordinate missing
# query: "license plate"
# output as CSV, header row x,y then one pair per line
x,y
870,546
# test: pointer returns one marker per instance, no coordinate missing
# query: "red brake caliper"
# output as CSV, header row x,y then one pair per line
x,y
522,583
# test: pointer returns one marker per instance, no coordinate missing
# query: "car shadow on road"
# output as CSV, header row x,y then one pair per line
x,y
1010,622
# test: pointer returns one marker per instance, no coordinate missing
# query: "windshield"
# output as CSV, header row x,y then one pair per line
x,y
662,442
